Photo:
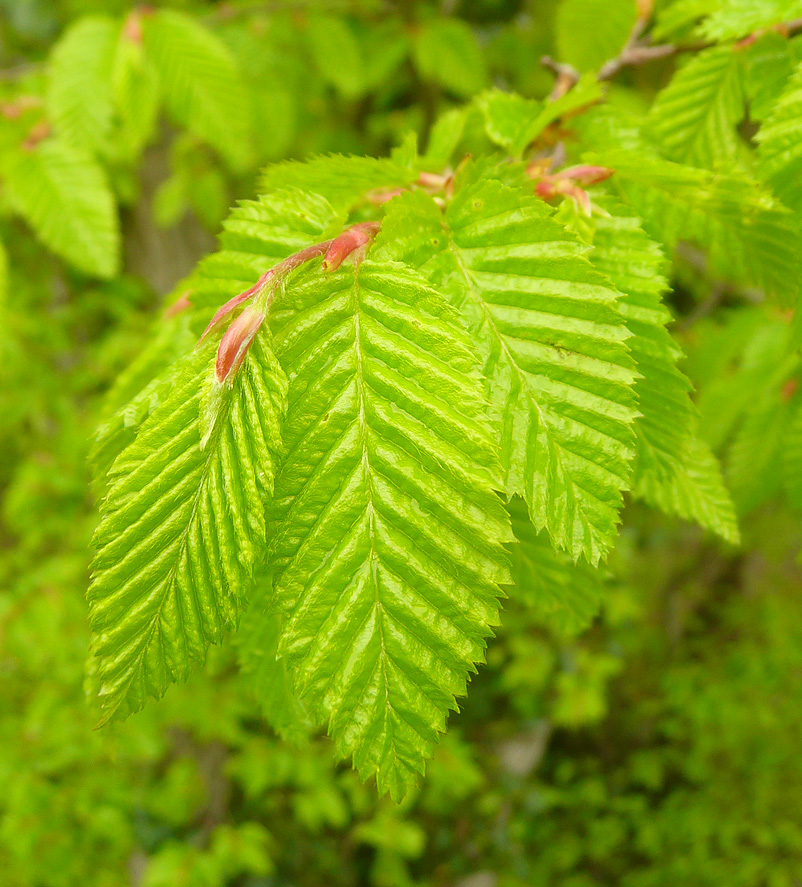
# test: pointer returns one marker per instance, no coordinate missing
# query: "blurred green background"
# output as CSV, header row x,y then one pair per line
x,y
658,748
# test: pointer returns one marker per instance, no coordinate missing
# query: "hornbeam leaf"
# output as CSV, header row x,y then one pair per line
x,y
257,235
552,346
565,596
63,194
674,471
387,539
182,524
694,118
780,145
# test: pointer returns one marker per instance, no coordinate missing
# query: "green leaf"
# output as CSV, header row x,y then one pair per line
x,y
565,596
256,236
780,145
337,53
139,390
755,459
79,97
694,118
201,83
768,65
739,18
507,116
750,237
257,648
342,181
447,52
135,86
182,526
62,193
444,138
590,32
697,494
678,17
585,92
388,537
792,456
668,426
551,342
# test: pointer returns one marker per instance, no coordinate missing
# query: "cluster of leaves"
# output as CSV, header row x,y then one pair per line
x,y
337,463
358,461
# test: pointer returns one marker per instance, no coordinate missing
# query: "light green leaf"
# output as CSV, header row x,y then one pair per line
x,y
387,535
750,237
780,145
551,342
257,649
201,83
139,390
590,32
135,86
447,52
79,97
739,18
668,426
507,117
678,17
565,596
182,526
768,65
342,181
337,53
444,138
694,118
63,195
755,459
697,494
256,236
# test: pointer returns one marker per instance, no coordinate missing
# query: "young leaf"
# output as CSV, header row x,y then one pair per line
x,y
182,524
668,427
337,53
342,181
739,18
565,596
139,390
257,649
446,51
63,195
780,145
79,93
551,342
694,118
256,236
750,236
200,82
590,32
387,535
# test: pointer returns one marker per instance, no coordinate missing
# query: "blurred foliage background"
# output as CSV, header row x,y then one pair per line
x,y
658,747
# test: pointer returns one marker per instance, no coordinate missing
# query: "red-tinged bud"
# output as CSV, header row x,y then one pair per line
x,y
539,167
645,9
180,304
432,180
231,304
132,27
38,133
789,389
546,189
236,341
355,238
379,198
587,175
580,198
